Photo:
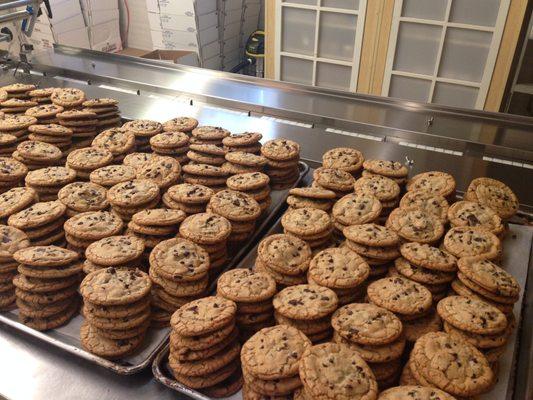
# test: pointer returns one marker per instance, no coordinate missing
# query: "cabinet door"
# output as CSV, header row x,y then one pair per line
x,y
444,51
318,42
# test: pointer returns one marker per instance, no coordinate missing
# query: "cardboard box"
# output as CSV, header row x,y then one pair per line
x,y
183,57
198,39
75,38
231,30
232,16
232,44
106,37
64,9
213,63
69,24
182,22
233,4
41,41
95,17
182,7
99,5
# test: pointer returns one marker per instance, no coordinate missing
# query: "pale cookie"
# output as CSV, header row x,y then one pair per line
x,y
415,225
345,158
143,127
280,149
210,133
67,97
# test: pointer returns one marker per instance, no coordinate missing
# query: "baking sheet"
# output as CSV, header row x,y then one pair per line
x,y
517,249
67,337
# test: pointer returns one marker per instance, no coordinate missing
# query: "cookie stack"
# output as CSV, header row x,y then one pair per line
x,y
335,180
45,269
12,173
342,271
16,106
15,200
282,156
45,114
68,98
116,310
164,171
114,251
413,225
285,258
180,124
332,370
83,125
240,209
110,175
389,169
36,155
59,136
355,209
18,90
209,135
384,189
238,162
270,362
155,225
81,197
427,265
472,242
204,347
190,198
41,96
11,240
179,272
309,197
307,308
255,185
85,228
17,125
209,154
344,158
47,182
41,222
247,142
8,144
309,224
211,232
474,375
376,334
130,197
436,182
252,291
429,203
106,110
87,159
117,140
143,129
207,175
471,214
494,194
481,279
173,144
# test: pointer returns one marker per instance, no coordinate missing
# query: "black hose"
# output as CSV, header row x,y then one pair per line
x,y
241,65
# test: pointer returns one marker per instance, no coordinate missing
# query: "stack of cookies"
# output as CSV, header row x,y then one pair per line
x,y
270,362
36,155
179,272
309,224
335,371
413,225
48,272
48,181
209,154
15,200
204,347
247,142
471,214
435,182
209,135
255,185
307,308
282,156
284,257
309,197
204,174
473,375
83,125
155,225
238,162
68,98
344,158
12,173
45,114
240,209
376,334
481,279
18,90
143,129
355,209
117,251
384,189
41,96
494,194
117,140
173,144
252,291
335,180
429,203
11,240
16,106
106,110
87,159
110,175
85,228
41,222
180,124
58,135
427,265
472,242
8,144
341,270
81,197
164,171
188,197
130,197
211,232
17,125
389,169
116,310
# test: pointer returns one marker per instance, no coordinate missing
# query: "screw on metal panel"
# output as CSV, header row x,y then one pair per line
x,y
93,64
408,162
430,120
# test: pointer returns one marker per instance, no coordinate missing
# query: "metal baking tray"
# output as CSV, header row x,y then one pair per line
x,y
67,337
518,247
